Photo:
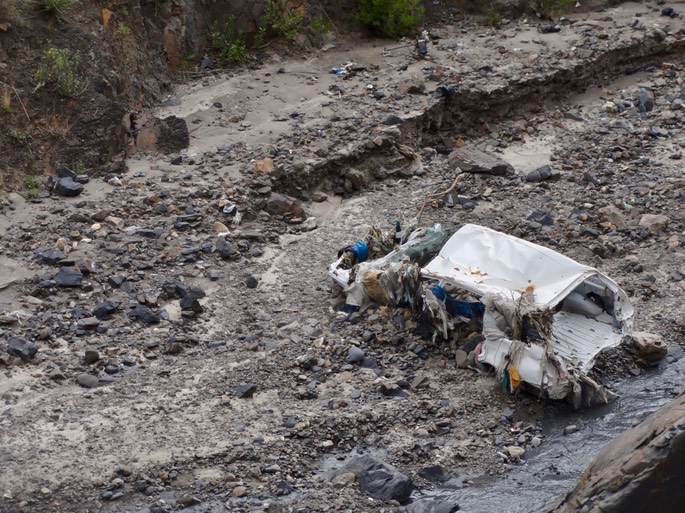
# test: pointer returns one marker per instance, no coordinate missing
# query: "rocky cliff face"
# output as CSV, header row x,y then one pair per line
x,y
638,472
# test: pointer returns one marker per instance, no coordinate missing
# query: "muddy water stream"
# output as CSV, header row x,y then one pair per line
x,y
552,470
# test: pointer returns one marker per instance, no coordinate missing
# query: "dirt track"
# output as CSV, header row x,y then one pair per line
x,y
166,428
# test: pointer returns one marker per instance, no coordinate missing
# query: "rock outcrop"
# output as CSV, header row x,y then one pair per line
x,y
639,471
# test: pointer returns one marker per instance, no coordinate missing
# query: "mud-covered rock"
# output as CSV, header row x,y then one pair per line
x,y
472,160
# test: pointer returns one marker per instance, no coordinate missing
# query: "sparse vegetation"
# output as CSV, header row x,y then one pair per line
x,y
31,187
320,26
492,17
79,168
123,29
228,40
391,18
283,21
19,136
60,68
56,8
552,7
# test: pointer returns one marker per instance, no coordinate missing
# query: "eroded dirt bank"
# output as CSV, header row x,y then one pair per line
x,y
242,400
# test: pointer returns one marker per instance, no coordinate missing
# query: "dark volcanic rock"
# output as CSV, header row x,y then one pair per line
x,y
245,391
87,380
143,314
378,479
68,277
190,304
105,310
22,348
68,187
225,248
50,256
173,135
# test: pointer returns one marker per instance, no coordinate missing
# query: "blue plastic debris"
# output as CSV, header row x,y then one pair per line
x,y
359,249
455,306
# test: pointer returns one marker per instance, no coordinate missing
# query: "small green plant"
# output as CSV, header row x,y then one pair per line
x,y
31,187
391,18
283,21
123,29
320,26
228,40
492,17
422,86
56,8
59,67
79,168
19,136
552,7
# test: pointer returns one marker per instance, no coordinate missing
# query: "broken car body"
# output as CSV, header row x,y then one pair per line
x,y
545,319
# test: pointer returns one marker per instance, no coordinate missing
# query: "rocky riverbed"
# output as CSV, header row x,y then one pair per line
x,y
170,339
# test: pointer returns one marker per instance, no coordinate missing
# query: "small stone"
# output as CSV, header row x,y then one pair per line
x,y
264,166
105,310
91,356
650,347
251,282
190,304
68,277
189,500
355,355
87,380
514,451
654,223
220,227
535,441
22,348
542,173
392,119
225,248
115,221
56,374
462,358
245,391
570,429
239,491
319,197
50,256
143,314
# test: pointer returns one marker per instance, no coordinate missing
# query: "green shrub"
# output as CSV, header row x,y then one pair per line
x,y
282,21
492,17
320,26
552,7
57,8
31,188
391,18
59,67
19,136
226,39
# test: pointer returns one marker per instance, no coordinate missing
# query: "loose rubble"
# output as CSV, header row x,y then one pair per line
x,y
175,319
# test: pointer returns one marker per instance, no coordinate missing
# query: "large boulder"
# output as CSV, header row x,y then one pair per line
x,y
639,472
471,160
378,479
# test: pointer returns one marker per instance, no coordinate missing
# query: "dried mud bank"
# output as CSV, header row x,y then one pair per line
x,y
460,99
